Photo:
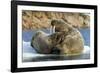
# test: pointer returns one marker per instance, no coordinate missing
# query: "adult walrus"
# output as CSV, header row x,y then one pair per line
x,y
66,40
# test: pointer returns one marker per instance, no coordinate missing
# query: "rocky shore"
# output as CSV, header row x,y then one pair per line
x,y
42,20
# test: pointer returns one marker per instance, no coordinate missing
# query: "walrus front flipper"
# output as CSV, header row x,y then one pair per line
x,y
55,50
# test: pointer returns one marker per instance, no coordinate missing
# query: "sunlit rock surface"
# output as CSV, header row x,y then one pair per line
x,y
41,19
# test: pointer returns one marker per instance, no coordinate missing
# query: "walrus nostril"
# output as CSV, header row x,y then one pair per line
x,y
55,50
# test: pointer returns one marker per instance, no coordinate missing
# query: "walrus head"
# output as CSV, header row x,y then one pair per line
x,y
60,25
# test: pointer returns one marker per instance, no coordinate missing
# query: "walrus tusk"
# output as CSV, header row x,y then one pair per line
x,y
52,29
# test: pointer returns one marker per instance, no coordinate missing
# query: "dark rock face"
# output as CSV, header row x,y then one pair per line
x,y
65,41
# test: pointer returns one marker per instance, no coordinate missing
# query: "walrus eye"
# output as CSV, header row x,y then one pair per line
x,y
55,51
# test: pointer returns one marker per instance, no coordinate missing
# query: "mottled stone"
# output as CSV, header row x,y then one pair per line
x,y
41,19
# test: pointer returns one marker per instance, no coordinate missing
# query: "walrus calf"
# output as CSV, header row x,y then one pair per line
x,y
66,40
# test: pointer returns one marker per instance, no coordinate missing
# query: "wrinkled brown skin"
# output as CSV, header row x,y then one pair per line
x,y
66,40
41,43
